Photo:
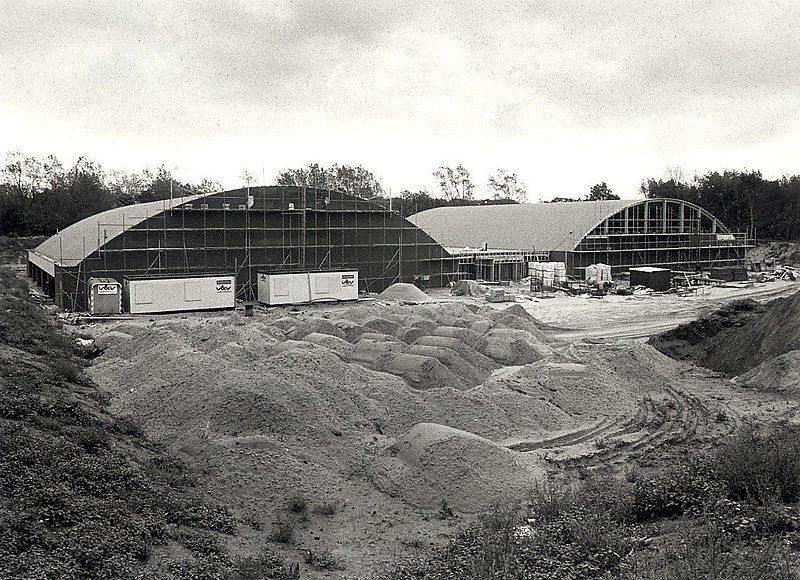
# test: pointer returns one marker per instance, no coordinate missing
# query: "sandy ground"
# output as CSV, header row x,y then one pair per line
x,y
387,410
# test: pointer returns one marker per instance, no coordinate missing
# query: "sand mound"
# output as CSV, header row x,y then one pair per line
x,y
380,324
476,358
482,326
315,325
379,337
433,463
514,347
738,336
427,326
465,335
403,292
421,372
352,330
111,338
410,334
452,360
285,323
334,343
370,352
779,374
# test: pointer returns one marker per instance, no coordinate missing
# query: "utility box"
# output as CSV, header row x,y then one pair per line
x,y
145,295
275,289
333,285
299,288
105,296
656,278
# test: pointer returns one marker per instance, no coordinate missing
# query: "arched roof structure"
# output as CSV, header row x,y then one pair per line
x,y
79,240
560,226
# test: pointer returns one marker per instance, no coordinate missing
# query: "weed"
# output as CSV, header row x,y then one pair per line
x,y
322,560
297,504
266,564
283,531
326,508
445,512
253,522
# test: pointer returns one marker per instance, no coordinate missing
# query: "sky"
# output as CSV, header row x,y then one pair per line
x,y
566,94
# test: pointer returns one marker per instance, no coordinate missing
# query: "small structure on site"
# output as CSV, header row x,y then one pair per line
x,y
659,279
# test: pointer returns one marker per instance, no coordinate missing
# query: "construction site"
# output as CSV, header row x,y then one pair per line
x,y
409,408
272,230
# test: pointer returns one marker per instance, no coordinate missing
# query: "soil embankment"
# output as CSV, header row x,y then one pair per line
x,y
737,337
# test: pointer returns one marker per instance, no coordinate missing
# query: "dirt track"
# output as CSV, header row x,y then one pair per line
x,y
386,409
622,317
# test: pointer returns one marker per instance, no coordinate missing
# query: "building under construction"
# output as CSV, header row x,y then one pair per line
x,y
623,233
242,232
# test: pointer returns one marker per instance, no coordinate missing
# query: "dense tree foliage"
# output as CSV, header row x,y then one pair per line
x,y
600,192
40,197
743,200
356,181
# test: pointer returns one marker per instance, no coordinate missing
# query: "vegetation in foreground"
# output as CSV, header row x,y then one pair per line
x,y
84,495
728,515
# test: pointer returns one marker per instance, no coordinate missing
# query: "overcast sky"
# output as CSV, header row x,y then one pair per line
x,y
565,94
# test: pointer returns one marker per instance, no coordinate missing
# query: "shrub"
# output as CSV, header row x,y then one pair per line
x,y
762,466
283,531
687,488
706,552
323,560
297,504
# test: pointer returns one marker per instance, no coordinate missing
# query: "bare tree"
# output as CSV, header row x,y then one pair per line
x,y
455,183
506,185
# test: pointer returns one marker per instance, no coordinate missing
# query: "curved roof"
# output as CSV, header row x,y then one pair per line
x,y
76,242
527,226
81,239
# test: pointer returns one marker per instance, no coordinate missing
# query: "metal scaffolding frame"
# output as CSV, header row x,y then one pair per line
x,y
264,229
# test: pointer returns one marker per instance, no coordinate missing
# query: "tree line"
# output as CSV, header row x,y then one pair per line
x,y
743,200
42,196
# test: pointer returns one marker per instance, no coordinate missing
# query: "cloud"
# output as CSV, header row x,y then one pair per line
x,y
464,79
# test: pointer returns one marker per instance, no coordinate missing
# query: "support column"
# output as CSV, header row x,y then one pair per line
x,y
646,217
682,214
664,217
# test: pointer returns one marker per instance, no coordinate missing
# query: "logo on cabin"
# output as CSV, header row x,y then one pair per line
x,y
348,280
224,286
106,288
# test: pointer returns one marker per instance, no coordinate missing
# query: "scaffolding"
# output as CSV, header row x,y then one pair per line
x,y
497,265
261,230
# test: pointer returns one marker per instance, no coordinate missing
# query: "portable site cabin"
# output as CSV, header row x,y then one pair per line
x,y
298,288
147,295
105,296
